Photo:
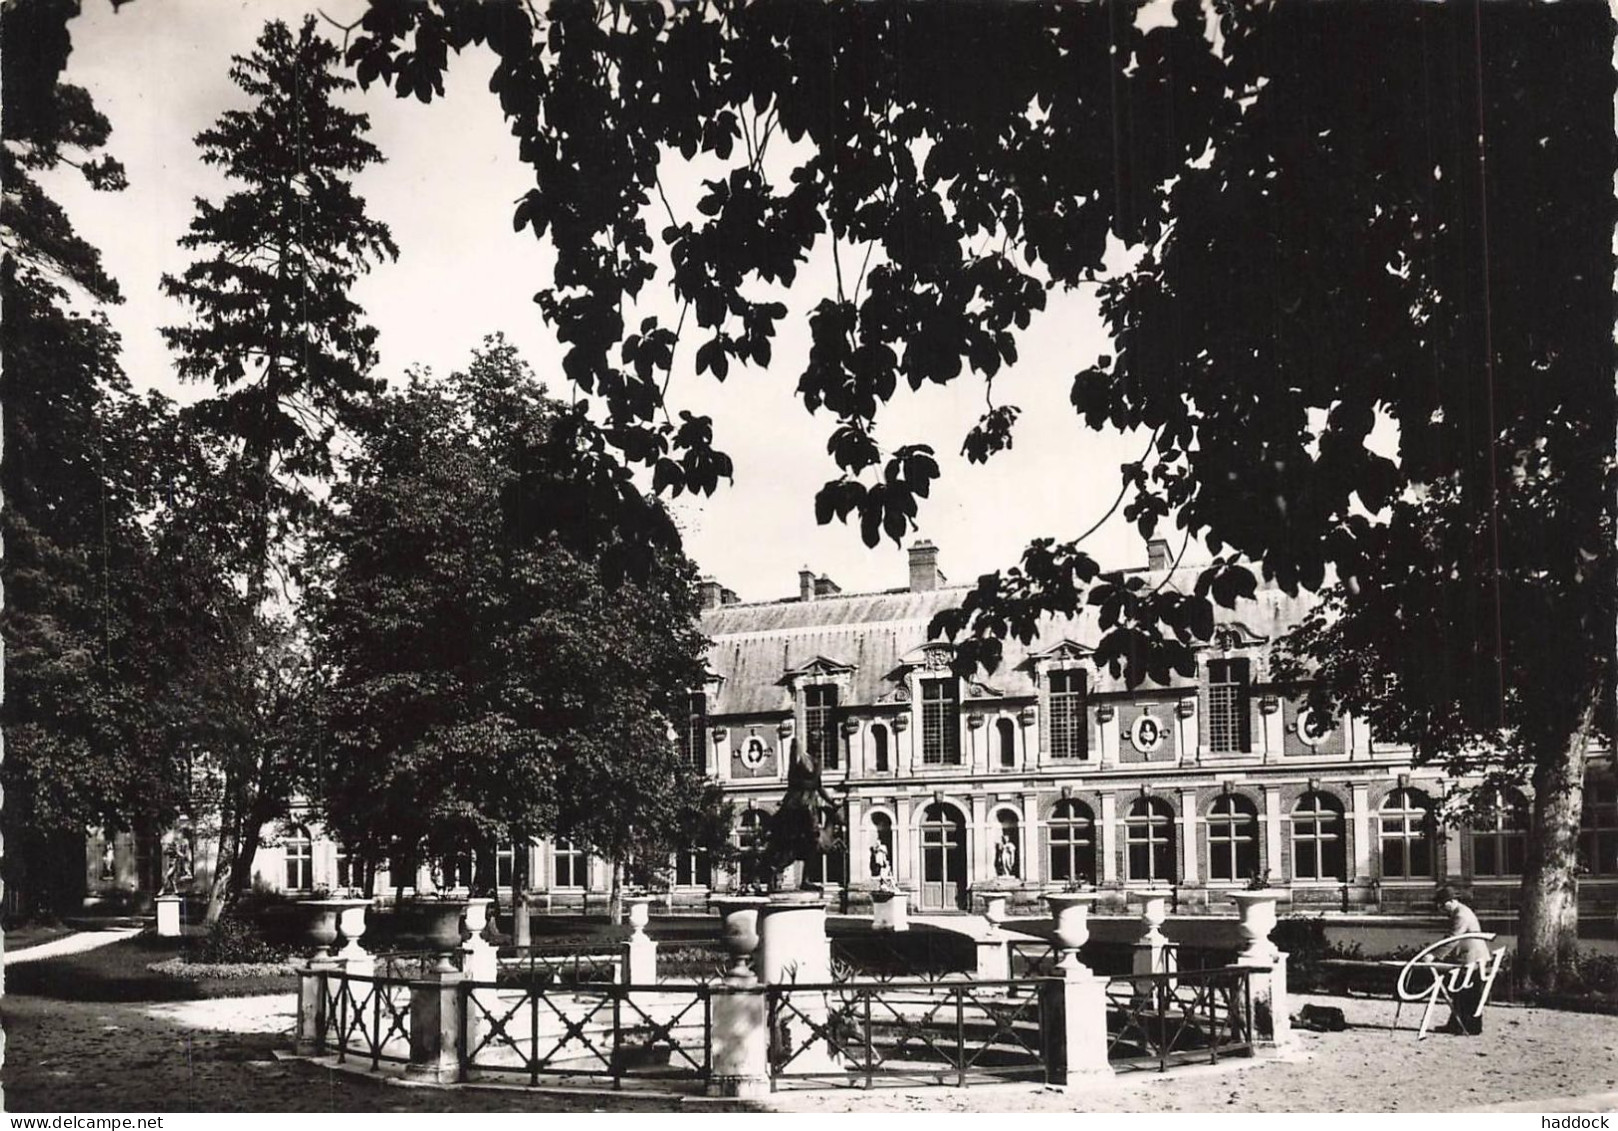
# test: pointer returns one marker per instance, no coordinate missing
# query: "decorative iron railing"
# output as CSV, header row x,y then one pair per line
x,y
548,964
910,1032
1035,959
647,1034
1155,1020
364,1017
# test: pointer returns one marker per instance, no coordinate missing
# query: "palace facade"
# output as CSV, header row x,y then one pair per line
x,y
1049,771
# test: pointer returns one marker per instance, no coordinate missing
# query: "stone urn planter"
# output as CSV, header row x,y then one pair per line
x,y
1257,913
433,924
1154,954
476,916
738,915
1154,912
1070,911
351,927
319,924
639,913
890,910
994,908
325,919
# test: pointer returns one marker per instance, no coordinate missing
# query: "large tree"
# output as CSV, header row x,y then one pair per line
x,y
80,726
492,675
1408,228
285,348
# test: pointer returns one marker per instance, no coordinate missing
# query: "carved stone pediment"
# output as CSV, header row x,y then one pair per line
x,y
1063,651
1233,636
934,656
820,667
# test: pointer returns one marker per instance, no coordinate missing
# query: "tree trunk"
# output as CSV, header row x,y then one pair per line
x,y
224,857
615,901
246,849
521,927
1548,927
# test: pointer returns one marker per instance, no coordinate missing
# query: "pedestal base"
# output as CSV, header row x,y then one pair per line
x,y
891,914
168,916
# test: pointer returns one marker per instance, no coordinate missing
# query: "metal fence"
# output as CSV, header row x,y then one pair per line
x,y
1155,1020
906,1033
658,1034
365,1017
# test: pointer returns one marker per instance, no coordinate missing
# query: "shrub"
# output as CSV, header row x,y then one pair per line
x,y
235,940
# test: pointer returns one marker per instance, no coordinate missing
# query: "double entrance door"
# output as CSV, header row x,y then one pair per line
x,y
943,858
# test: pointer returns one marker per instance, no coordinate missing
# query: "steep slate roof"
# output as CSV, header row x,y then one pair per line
x,y
755,644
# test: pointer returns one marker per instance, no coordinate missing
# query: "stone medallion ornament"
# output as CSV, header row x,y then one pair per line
x,y
1147,733
754,752
1313,727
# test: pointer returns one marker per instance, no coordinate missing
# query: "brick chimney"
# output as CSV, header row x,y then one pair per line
x,y
710,592
1157,554
806,584
924,574
826,587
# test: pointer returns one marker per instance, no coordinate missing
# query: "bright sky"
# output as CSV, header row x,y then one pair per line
x,y
158,70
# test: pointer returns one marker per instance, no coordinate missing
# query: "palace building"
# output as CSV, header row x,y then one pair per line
x,y
1048,771
1052,771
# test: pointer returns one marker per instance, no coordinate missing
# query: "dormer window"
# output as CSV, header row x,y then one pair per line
x,y
1230,729
940,730
1068,714
820,724
694,735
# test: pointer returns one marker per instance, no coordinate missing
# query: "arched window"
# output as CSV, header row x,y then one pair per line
x,y
1072,837
1407,841
1008,848
1232,838
1500,835
300,853
570,867
879,748
1598,827
1317,838
1149,838
1007,730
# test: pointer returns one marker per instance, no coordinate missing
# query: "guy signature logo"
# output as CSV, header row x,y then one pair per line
x,y
1447,983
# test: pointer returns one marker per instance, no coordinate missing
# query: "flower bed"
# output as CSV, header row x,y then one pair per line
x,y
181,967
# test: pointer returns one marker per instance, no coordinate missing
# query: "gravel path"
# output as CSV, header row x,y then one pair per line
x,y
210,1056
1554,1061
218,1056
70,944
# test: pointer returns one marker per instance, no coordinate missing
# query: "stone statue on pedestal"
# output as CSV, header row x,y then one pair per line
x,y
177,859
1005,856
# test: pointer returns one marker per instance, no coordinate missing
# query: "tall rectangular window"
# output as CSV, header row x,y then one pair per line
x,y
1229,694
571,869
1069,729
940,731
692,868
694,735
820,724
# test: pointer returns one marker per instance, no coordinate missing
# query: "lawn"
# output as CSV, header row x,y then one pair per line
x,y
118,972
32,934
